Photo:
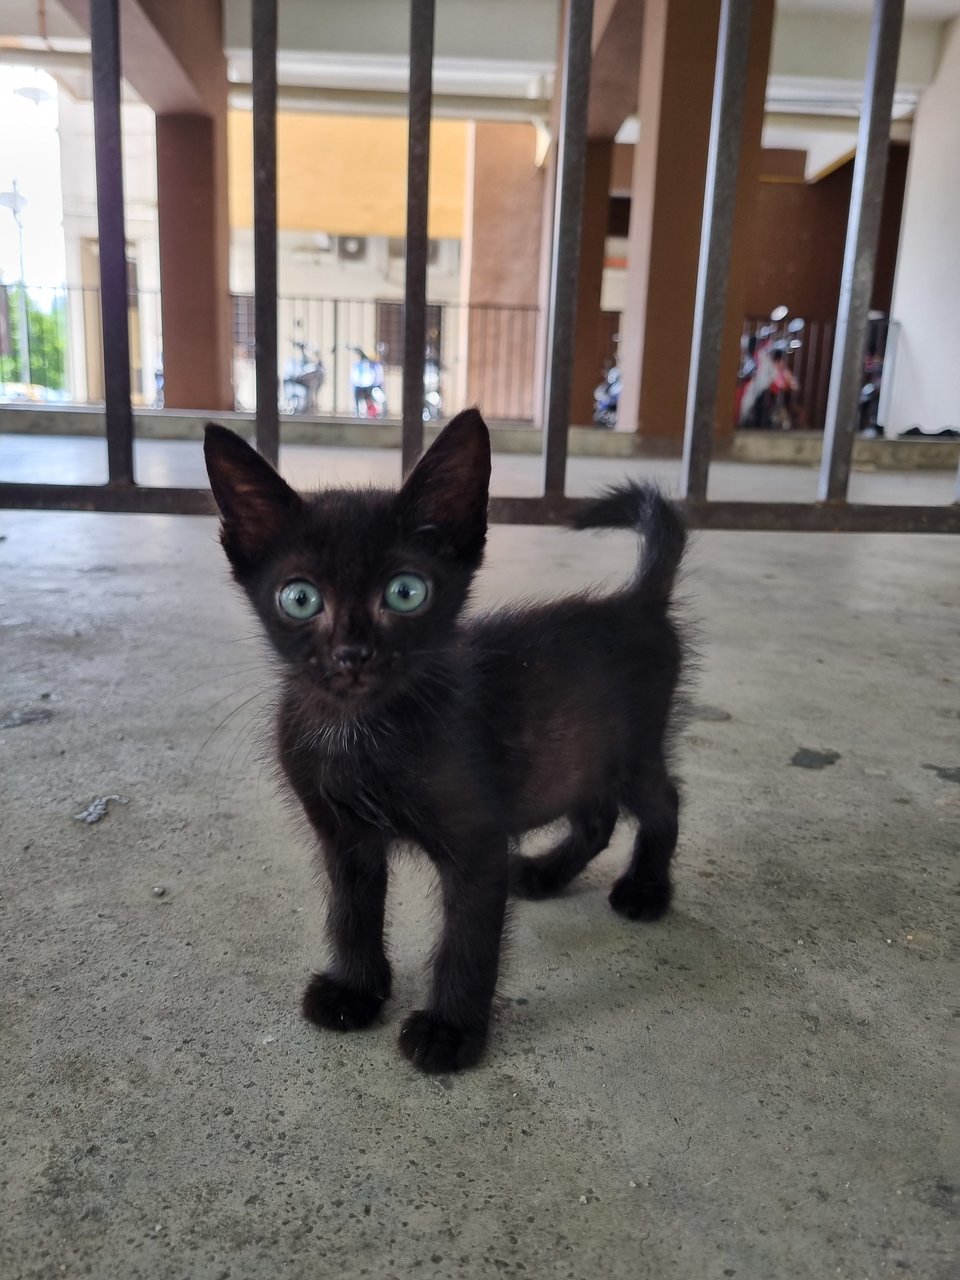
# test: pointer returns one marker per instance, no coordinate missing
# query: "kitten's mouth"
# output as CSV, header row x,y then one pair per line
x,y
351,687
354,686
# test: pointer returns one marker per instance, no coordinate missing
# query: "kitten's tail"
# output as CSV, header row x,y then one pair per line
x,y
644,508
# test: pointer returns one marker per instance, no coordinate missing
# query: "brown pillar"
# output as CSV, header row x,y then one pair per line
x,y
666,203
676,89
194,248
503,269
587,354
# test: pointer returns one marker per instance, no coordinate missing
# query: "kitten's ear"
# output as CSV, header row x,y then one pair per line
x,y
256,504
447,490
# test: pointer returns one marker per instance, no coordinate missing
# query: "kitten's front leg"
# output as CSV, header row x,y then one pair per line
x,y
452,1031
350,994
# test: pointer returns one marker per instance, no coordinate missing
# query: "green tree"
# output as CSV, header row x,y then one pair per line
x,y
47,331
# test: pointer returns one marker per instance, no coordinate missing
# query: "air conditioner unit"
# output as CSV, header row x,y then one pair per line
x,y
352,248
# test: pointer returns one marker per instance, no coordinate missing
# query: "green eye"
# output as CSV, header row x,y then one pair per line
x,y
405,593
300,600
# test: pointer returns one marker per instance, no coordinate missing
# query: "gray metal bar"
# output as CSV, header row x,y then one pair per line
x,y
125,498
105,57
567,225
422,16
757,517
716,235
264,44
859,257
809,517
799,517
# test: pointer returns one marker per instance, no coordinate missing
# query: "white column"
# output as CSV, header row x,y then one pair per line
x,y
927,285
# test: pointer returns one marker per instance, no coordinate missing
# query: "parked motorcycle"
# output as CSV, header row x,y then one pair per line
x,y
868,405
766,386
432,395
606,398
366,378
303,376
869,399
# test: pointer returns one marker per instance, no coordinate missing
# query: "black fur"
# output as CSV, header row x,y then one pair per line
x,y
456,735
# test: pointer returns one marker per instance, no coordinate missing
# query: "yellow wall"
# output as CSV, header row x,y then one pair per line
x,y
347,175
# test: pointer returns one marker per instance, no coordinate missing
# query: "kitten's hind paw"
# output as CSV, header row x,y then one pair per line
x,y
639,899
328,1003
532,878
436,1046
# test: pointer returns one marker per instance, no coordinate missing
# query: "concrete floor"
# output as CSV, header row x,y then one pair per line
x,y
752,1088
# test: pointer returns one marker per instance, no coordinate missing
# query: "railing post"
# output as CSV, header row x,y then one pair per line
x,y
422,17
567,222
335,353
859,257
264,48
716,235
105,59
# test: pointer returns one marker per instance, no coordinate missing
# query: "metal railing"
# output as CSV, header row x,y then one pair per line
x,y
831,512
483,354
64,353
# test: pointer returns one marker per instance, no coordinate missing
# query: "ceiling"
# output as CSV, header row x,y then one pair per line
x,y
941,10
498,59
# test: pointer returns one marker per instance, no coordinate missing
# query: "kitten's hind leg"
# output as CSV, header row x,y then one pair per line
x,y
644,891
547,874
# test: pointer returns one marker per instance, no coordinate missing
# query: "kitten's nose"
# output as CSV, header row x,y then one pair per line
x,y
352,656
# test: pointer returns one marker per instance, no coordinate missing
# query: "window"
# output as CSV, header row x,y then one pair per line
x,y
390,330
244,329
397,250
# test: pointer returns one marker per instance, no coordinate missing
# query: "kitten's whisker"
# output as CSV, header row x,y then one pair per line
x,y
246,669
246,740
231,693
246,702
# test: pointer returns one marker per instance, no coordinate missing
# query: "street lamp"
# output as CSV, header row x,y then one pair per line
x,y
14,201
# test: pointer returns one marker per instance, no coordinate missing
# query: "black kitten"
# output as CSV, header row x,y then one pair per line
x,y
401,721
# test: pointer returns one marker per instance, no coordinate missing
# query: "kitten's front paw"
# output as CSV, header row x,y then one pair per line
x,y
330,1004
640,900
436,1046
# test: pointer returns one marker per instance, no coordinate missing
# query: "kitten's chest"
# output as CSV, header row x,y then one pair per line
x,y
361,772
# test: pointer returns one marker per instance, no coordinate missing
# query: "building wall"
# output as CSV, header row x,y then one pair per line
x,y
308,266
800,230
924,382
332,306
347,175
367,199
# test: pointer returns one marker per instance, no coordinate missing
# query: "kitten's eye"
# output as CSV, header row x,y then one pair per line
x,y
405,593
300,600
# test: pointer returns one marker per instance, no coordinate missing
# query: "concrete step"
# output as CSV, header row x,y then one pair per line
x,y
797,448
